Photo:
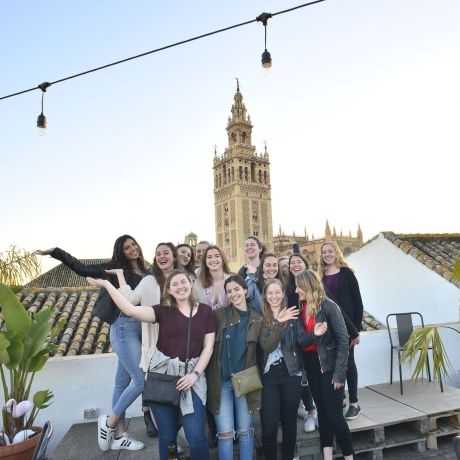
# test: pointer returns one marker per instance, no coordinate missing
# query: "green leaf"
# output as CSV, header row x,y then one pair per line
x,y
4,344
42,397
16,317
39,332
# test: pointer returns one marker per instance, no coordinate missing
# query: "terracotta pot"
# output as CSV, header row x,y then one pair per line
x,y
22,450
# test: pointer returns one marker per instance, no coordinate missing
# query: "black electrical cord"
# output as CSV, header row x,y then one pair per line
x,y
156,50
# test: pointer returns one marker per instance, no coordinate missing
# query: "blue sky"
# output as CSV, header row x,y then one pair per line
x,y
360,115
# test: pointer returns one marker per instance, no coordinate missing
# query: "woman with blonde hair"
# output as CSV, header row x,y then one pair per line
x,y
325,362
177,312
282,374
342,287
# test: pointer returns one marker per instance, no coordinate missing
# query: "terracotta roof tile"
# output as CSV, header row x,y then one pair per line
x,y
436,251
83,333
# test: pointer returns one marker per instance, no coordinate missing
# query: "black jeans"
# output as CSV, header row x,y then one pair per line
x,y
329,405
352,377
307,398
280,400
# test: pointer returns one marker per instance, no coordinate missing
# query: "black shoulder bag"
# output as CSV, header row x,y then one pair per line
x,y
161,388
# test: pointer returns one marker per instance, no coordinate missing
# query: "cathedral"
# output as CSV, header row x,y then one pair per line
x,y
242,199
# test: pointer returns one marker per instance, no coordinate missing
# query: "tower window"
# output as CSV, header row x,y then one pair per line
x,y
241,172
253,172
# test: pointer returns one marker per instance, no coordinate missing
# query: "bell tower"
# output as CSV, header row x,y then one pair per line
x,y
242,191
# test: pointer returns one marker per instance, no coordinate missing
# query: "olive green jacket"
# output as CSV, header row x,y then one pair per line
x,y
258,332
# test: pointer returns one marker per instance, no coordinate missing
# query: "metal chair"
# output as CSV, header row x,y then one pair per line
x,y
405,328
457,446
45,435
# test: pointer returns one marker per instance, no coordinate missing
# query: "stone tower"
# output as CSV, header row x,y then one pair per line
x,y
242,196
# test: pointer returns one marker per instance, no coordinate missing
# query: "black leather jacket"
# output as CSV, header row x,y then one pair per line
x,y
294,336
333,345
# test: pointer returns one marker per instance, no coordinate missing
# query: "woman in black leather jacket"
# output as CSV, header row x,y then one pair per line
x,y
282,375
326,362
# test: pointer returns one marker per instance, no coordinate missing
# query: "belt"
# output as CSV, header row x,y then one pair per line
x,y
277,362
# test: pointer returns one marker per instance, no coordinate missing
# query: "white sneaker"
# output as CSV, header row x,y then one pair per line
x,y
126,442
301,412
310,424
104,433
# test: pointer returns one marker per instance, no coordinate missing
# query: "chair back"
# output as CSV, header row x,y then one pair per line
x,y
45,435
404,325
456,442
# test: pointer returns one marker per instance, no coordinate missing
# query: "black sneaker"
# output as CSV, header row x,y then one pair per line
x,y
352,412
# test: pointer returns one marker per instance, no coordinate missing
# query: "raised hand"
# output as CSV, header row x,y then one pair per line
x,y
288,313
44,252
96,282
114,271
320,329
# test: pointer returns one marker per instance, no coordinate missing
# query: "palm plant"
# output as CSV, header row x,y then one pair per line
x,y
18,265
424,338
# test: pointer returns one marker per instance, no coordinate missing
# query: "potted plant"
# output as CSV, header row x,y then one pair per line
x,y
25,345
424,338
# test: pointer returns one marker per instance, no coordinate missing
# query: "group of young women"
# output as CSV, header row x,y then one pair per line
x,y
282,322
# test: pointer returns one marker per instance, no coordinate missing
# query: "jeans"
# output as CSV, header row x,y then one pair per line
x,y
230,406
307,398
125,336
167,418
352,377
329,405
281,395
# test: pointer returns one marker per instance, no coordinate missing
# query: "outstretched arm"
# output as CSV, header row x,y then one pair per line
x,y
146,314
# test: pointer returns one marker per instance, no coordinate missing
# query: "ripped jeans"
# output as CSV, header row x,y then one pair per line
x,y
241,427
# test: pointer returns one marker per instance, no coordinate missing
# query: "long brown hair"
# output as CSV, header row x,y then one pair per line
x,y
266,309
261,281
157,271
170,300
310,283
205,275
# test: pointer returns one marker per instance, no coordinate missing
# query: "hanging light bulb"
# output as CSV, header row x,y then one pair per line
x,y
42,123
266,56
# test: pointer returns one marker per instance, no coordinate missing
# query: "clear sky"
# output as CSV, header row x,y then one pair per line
x,y
361,116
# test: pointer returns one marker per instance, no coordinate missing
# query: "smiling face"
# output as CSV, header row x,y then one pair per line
x,y
236,294
213,260
274,295
200,250
296,265
328,255
251,248
131,249
184,255
270,267
164,257
180,287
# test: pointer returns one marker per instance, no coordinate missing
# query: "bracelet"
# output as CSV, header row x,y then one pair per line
x,y
197,373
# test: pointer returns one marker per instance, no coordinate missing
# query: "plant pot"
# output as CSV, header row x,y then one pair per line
x,y
22,450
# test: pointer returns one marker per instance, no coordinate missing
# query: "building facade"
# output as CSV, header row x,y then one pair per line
x,y
242,191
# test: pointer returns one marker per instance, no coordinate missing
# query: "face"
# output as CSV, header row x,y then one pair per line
x,y
328,254
184,255
296,265
251,248
200,249
270,267
164,257
131,249
236,294
213,260
301,293
274,295
284,266
180,287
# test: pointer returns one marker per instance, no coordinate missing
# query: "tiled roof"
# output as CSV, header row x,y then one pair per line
x,y
369,323
83,333
437,251
63,277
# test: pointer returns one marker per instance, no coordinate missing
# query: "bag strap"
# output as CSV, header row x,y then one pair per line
x,y
188,340
227,337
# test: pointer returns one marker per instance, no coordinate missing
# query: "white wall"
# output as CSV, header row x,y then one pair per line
x,y
392,281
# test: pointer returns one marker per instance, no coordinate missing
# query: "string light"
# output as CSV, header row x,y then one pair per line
x,y
42,123
266,56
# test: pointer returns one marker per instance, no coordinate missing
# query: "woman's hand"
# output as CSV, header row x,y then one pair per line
x,y
288,313
354,342
320,329
96,282
186,382
44,252
337,385
114,271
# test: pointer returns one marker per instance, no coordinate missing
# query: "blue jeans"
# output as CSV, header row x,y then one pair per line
x,y
230,405
125,336
167,418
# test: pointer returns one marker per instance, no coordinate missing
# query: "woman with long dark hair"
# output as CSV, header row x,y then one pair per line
x,y
254,249
173,316
326,363
125,334
186,258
